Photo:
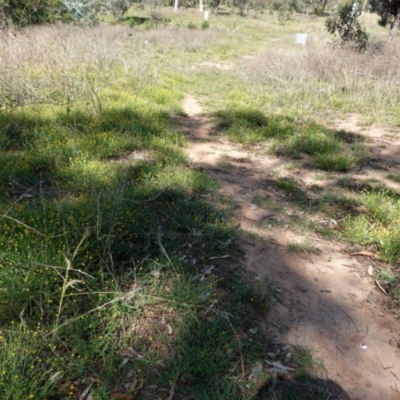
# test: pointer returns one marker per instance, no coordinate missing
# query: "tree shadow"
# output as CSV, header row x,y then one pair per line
x,y
303,387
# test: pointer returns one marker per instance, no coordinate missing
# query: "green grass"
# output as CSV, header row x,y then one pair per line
x,y
378,225
295,247
330,150
394,177
258,296
104,236
386,277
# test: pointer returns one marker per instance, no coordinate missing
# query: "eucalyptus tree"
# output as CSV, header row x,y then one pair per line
x,y
21,13
389,13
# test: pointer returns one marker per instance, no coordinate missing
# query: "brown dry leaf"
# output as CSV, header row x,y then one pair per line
x,y
122,396
256,371
363,253
279,368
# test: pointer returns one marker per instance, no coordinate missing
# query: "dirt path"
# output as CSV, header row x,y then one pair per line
x,y
326,300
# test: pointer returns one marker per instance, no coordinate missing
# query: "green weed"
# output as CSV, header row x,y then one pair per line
x,y
330,151
258,296
386,277
394,177
379,225
290,187
299,247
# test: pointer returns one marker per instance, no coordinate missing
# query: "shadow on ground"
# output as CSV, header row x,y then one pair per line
x,y
322,298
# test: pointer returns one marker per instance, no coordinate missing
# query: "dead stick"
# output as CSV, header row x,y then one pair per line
x,y
395,375
363,336
351,319
339,350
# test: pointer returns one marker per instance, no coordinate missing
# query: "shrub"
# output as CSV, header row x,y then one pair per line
x,y
205,25
343,22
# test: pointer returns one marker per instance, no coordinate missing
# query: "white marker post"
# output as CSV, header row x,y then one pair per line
x,y
201,5
205,15
301,38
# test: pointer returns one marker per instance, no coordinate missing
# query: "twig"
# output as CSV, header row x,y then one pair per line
x,y
267,216
21,223
249,243
271,241
165,252
239,344
33,229
275,324
395,375
396,390
339,349
125,296
351,319
380,287
261,219
362,337
148,200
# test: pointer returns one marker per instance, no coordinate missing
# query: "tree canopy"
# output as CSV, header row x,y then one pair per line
x,y
389,13
29,12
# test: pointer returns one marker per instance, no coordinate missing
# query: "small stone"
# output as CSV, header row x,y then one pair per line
x,y
392,343
315,279
370,270
288,356
371,298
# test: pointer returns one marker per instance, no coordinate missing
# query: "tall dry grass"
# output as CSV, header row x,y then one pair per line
x,y
322,76
67,64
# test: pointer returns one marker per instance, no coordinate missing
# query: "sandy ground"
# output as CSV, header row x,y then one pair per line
x,y
325,300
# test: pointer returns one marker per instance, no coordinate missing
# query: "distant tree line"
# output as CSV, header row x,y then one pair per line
x,y
21,13
33,12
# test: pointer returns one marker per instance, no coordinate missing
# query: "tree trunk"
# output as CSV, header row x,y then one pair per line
x,y
201,6
176,3
394,26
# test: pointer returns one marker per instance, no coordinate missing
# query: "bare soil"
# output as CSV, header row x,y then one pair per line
x,y
324,299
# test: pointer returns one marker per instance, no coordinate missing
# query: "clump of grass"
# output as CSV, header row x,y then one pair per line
x,y
337,205
335,162
290,187
205,25
326,79
389,280
330,151
386,277
300,247
303,356
394,177
267,203
379,225
258,296
247,125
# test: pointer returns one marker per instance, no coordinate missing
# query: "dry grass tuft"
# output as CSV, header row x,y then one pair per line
x,y
320,76
67,64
